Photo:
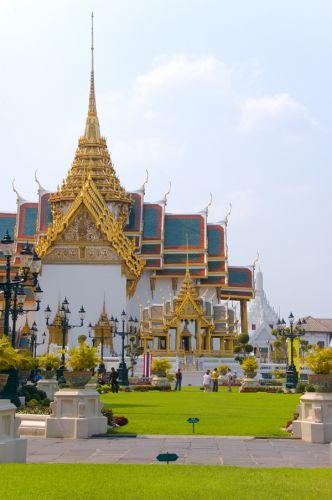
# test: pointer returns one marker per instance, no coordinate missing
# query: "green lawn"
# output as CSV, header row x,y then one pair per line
x,y
222,413
85,482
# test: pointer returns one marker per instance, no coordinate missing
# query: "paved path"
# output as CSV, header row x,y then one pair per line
x,y
241,451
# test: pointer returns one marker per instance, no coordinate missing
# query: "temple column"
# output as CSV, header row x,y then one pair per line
x,y
198,337
244,316
178,337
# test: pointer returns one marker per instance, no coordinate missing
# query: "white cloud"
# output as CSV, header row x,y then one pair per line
x,y
182,70
147,151
262,110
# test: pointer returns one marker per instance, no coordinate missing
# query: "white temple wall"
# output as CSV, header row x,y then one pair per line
x,y
85,285
144,294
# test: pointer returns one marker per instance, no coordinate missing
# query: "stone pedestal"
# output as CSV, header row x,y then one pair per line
x,y
76,414
161,382
50,386
314,424
249,383
12,448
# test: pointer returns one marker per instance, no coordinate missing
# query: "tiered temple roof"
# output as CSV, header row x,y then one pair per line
x,y
142,232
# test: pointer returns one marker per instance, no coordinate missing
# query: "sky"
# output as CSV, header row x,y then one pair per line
x,y
231,98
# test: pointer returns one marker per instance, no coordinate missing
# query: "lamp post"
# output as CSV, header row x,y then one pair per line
x,y
13,289
292,332
34,339
101,338
122,370
65,327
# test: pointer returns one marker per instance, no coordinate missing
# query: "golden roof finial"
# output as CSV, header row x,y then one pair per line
x,y
18,196
228,214
145,182
256,260
208,205
104,305
167,194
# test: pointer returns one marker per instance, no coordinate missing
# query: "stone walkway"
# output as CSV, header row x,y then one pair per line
x,y
240,451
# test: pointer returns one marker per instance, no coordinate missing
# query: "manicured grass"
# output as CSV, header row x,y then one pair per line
x,y
222,413
85,482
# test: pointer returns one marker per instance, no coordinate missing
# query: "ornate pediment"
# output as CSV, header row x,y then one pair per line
x,y
82,228
93,234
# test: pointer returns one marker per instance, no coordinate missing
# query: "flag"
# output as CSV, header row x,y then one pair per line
x,y
147,365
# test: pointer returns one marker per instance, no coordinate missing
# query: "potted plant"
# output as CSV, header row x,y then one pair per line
x,y
81,360
8,358
50,363
160,370
249,366
320,363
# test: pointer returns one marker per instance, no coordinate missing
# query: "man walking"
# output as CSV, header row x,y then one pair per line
x,y
114,380
178,380
214,377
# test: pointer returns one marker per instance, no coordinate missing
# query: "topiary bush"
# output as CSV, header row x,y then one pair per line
x,y
243,338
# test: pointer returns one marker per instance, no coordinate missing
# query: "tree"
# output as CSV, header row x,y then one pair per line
x,y
133,351
243,349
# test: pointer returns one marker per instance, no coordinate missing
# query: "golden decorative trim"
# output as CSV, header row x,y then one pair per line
x,y
105,222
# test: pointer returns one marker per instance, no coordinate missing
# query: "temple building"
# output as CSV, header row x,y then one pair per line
x,y
262,319
112,250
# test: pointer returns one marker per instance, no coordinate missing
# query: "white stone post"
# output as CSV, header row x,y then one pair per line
x,y
12,448
76,414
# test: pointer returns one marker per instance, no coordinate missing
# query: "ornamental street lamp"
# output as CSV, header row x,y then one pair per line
x,y
14,296
14,289
65,327
292,332
126,329
34,339
95,338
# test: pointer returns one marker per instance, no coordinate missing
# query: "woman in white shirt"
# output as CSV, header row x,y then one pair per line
x,y
207,381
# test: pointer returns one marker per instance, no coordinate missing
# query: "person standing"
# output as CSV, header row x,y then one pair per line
x,y
114,380
229,379
214,377
178,380
207,381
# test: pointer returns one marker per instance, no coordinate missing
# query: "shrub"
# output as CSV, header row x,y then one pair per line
x,y
320,361
300,388
237,349
83,357
248,348
249,365
103,389
310,388
161,367
223,369
45,402
32,403
49,362
145,388
108,413
120,421
35,410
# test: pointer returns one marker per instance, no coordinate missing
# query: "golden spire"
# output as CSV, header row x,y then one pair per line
x,y
92,130
92,158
